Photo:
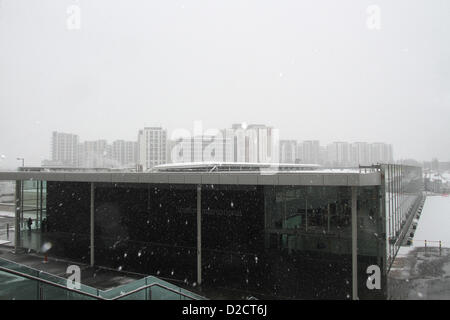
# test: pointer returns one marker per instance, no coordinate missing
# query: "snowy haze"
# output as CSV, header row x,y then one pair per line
x,y
313,69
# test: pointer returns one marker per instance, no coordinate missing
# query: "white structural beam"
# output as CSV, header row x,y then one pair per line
x,y
199,234
354,244
17,214
92,222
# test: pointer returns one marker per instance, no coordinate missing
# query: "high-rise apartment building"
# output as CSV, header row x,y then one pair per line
x,y
263,144
344,154
310,152
152,144
94,154
124,153
255,143
229,144
64,148
288,151
382,153
202,148
241,143
338,154
360,154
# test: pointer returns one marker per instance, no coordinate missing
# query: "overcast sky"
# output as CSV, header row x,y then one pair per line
x,y
313,69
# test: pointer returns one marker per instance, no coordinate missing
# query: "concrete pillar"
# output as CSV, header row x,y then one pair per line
x,y
283,222
328,217
400,196
92,222
391,206
397,203
306,215
21,201
37,204
396,199
354,244
266,222
17,214
199,234
41,183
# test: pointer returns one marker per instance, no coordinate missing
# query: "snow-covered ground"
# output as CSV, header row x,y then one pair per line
x,y
434,222
446,176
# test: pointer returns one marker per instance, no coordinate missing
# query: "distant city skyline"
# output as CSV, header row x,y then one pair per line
x,y
93,141
240,142
312,69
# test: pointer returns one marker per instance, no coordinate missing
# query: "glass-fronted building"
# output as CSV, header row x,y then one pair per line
x,y
296,232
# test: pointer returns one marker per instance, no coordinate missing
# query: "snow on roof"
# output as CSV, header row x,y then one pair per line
x,y
250,167
232,166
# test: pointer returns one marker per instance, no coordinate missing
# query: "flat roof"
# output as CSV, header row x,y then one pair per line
x,y
321,177
214,166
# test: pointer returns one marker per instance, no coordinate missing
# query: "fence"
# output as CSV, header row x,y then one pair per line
x,y
430,244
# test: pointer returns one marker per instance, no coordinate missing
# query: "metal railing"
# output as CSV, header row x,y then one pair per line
x,y
53,284
428,242
398,240
98,296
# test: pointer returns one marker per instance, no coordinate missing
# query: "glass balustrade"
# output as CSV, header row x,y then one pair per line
x,y
20,282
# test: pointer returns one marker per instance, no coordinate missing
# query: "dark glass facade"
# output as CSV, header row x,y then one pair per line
x,y
267,241
403,186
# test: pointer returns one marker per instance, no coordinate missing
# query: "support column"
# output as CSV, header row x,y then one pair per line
x,y
17,214
403,191
399,218
394,215
400,203
328,217
199,234
21,201
266,220
92,223
396,197
400,191
41,200
391,197
283,222
354,244
400,194
396,200
37,204
306,215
